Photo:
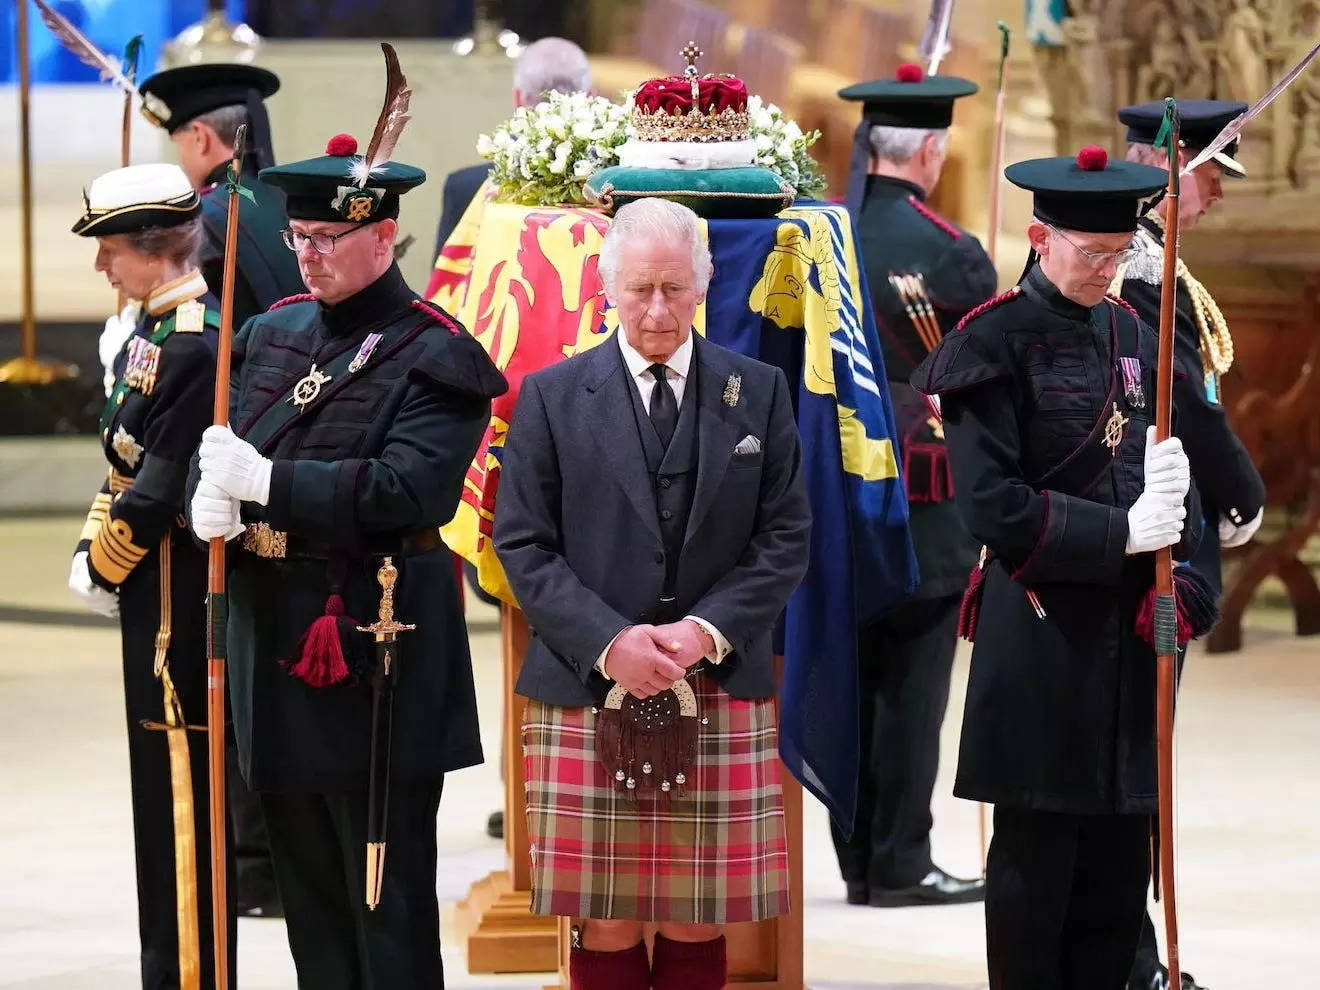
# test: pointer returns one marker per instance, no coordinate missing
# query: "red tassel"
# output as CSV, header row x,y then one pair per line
x,y
320,654
969,612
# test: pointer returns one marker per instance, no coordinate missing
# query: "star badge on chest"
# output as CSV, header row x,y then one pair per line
x,y
308,388
1114,430
126,448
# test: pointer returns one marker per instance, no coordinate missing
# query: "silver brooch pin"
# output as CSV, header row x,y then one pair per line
x,y
732,388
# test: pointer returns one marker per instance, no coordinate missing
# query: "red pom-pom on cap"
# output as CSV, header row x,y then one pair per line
x,y
909,73
1092,158
342,145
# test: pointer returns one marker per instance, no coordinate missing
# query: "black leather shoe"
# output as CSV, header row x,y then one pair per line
x,y
937,887
495,825
858,892
1159,980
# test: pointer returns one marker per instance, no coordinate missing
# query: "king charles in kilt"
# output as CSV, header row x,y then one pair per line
x,y
135,558
652,520
355,412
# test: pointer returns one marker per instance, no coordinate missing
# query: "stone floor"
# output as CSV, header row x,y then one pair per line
x,y
1249,854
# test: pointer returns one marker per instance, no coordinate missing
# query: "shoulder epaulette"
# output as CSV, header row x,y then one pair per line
x,y
287,300
1120,301
436,314
988,305
934,217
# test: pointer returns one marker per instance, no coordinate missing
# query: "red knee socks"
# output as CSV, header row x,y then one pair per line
x,y
626,969
688,965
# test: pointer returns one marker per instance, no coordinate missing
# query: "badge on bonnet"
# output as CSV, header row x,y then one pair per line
x,y
649,743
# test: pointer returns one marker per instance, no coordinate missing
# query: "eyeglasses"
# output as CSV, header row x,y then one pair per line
x,y
321,243
1101,258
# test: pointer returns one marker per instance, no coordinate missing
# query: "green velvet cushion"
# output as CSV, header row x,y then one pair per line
x,y
714,192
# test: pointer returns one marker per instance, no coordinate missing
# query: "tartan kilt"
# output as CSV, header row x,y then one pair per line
x,y
717,855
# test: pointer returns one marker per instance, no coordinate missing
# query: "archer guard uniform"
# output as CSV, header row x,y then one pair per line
x,y
371,410
924,274
1045,408
138,546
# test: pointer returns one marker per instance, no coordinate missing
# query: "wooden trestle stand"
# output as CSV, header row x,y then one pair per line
x,y
502,934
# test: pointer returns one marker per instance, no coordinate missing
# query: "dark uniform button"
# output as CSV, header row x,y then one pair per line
x,y
665,482
659,557
666,515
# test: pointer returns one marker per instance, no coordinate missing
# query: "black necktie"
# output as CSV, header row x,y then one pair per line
x,y
664,408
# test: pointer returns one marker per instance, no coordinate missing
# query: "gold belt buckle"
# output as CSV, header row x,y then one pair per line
x,y
260,539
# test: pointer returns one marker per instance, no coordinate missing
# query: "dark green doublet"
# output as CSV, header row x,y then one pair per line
x,y
900,235
380,455
1060,711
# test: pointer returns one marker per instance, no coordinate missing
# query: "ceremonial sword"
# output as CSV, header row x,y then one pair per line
x,y
383,679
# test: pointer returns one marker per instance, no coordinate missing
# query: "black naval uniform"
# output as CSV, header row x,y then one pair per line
x,y
1227,480
1059,727
266,271
138,546
372,466
906,658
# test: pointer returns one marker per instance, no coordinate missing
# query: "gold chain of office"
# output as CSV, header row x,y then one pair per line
x,y
1216,341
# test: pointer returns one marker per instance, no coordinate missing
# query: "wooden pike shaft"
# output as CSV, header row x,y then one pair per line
x,y
1165,664
996,166
25,180
217,605
125,126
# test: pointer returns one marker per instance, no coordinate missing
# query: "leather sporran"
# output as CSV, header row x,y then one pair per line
x,y
649,743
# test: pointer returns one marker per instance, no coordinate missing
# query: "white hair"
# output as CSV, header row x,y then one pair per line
x,y
1147,154
655,219
551,65
899,144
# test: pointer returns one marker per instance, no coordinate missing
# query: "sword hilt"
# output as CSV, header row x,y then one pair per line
x,y
385,628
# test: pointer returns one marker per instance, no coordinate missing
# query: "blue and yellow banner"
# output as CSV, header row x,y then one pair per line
x,y
788,290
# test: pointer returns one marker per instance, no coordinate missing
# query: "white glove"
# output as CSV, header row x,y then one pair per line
x,y
1167,470
89,592
1155,521
214,512
235,466
118,328
1232,535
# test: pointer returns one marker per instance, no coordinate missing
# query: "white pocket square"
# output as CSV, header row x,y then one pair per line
x,y
748,445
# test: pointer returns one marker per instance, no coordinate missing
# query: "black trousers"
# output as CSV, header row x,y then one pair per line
x,y
318,842
1064,899
904,665
149,763
252,863
1147,961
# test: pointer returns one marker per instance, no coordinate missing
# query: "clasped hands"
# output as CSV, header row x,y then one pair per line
x,y
646,659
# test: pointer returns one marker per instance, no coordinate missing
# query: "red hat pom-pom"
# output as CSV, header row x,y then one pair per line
x,y
909,73
1092,158
341,144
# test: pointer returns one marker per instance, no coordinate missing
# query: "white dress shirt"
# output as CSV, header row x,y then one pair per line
x,y
676,373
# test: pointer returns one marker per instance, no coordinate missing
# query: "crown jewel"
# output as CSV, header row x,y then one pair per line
x,y
691,107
